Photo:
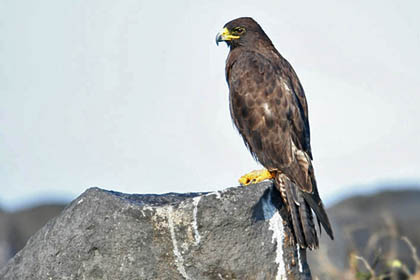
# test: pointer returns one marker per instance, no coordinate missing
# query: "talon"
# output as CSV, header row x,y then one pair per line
x,y
256,176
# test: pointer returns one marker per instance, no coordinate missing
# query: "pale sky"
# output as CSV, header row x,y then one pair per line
x,y
131,95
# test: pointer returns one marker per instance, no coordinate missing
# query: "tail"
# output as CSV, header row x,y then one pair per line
x,y
317,206
300,205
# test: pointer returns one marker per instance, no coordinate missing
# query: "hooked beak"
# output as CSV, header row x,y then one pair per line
x,y
225,35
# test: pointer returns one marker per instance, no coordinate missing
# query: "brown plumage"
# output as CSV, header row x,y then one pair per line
x,y
269,108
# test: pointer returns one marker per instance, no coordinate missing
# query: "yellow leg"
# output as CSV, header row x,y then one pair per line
x,y
255,177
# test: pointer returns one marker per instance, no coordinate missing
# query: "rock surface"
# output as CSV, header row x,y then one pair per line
x,y
231,234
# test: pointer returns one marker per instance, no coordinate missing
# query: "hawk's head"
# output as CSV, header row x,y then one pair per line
x,y
242,31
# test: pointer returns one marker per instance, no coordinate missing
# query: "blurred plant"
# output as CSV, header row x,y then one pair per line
x,y
382,266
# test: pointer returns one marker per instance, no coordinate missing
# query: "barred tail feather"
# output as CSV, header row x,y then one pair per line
x,y
300,213
295,215
319,210
308,223
317,206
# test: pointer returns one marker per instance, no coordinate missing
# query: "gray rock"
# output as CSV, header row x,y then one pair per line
x,y
230,234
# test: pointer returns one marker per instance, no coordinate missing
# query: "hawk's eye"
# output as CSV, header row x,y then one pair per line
x,y
239,30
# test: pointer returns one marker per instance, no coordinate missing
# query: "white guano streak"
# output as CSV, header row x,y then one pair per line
x,y
218,194
197,236
299,259
179,260
276,225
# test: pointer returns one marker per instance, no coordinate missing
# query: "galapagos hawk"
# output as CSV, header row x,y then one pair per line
x,y
269,108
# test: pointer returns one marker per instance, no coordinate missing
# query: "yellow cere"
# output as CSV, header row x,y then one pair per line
x,y
227,36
